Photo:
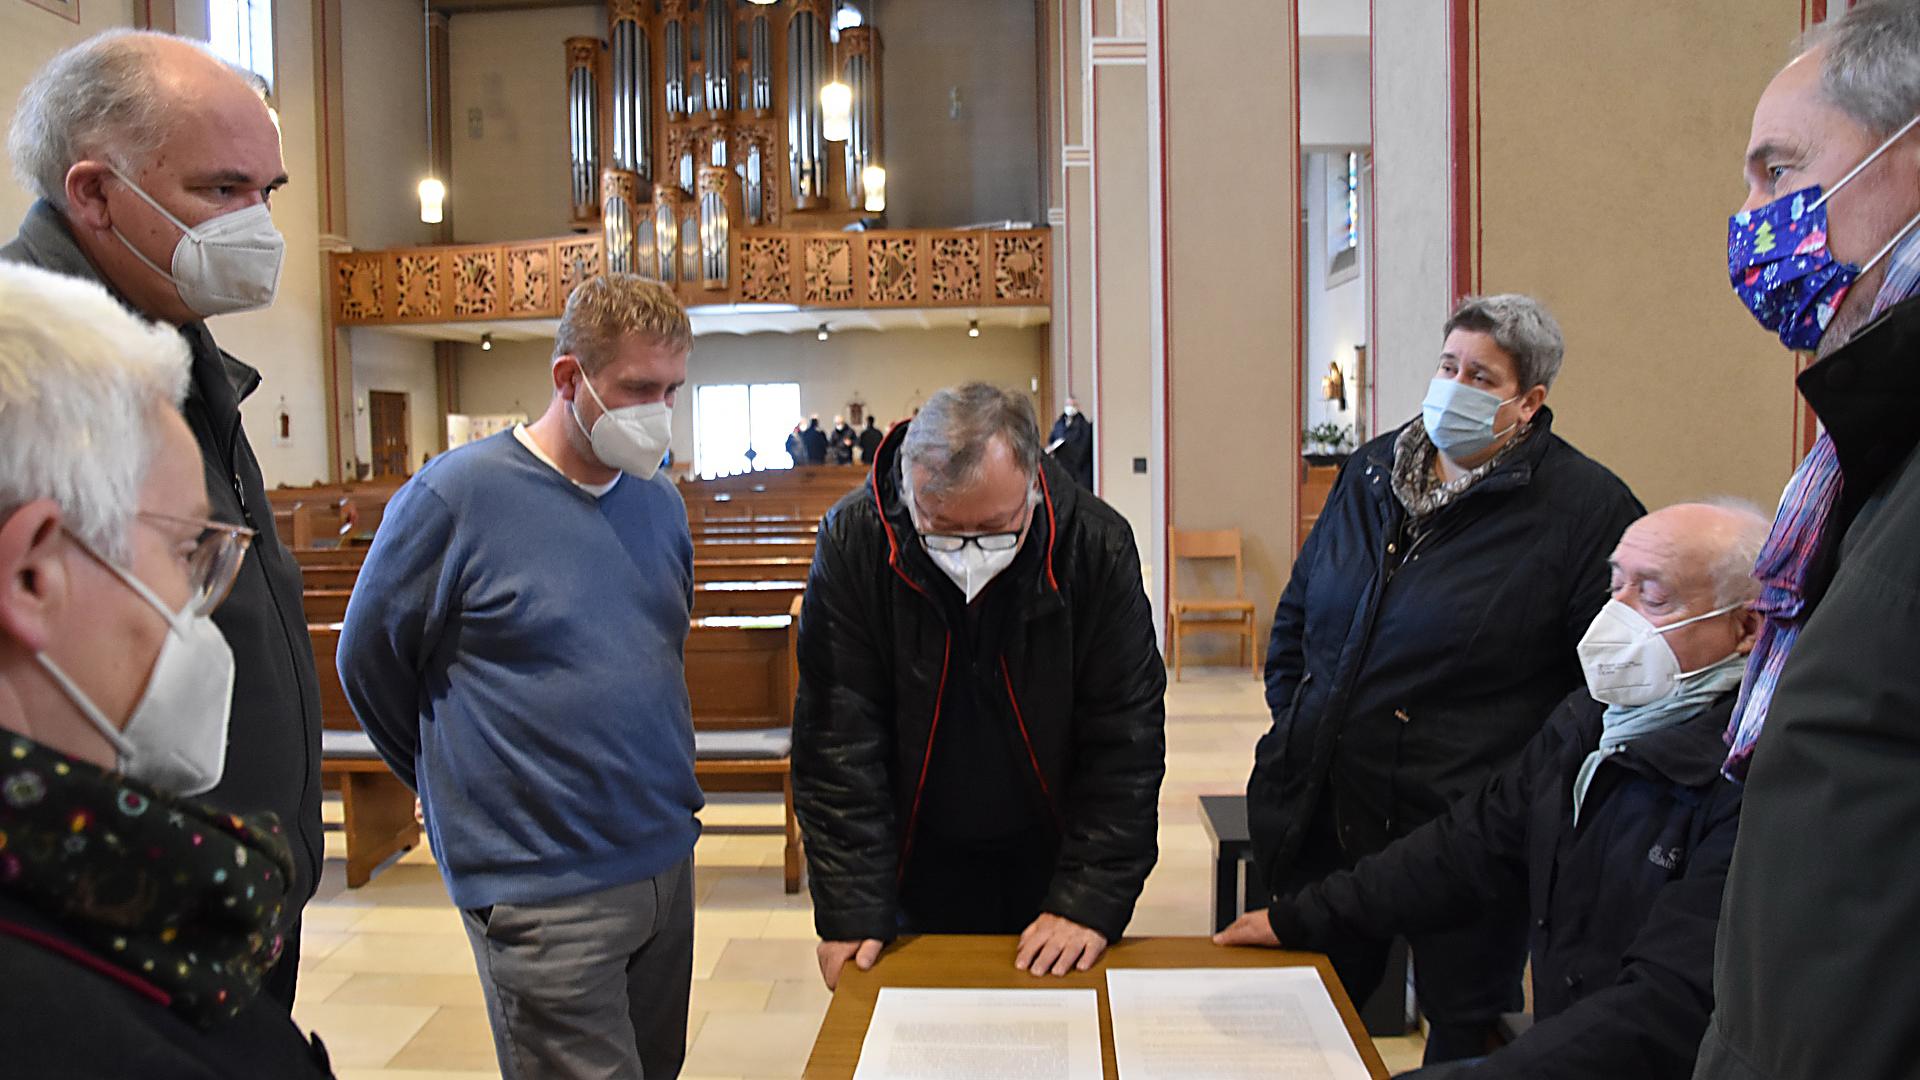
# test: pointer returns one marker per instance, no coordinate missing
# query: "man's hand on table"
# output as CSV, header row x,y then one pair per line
x,y
1056,945
1253,928
833,956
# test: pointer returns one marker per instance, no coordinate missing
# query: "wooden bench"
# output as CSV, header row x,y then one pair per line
x,y
745,597
740,677
329,556
320,578
325,607
379,808
750,569
775,548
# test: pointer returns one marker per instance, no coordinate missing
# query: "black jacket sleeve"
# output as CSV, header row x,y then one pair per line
x,y
1650,1022
1441,874
842,741
1119,756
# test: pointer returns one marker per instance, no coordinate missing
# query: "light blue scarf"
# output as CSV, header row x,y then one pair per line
x,y
1624,723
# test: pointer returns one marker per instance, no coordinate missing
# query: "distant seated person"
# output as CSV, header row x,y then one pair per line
x,y
136,923
979,734
1614,826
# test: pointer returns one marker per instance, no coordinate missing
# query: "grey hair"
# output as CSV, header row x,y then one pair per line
x,y
100,98
949,439
1733,580
1522,328
79,379
1871,70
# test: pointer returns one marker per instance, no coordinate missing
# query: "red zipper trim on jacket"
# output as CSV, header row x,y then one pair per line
x,y
1046,492
926,763
85,959
1032,758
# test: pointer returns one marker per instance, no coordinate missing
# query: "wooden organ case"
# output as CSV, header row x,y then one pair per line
x,y
697,122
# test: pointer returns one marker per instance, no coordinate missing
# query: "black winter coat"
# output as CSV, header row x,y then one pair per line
x,y
1073,680
1406,666
69,1014
815,442
1624,907
1820,940
273,738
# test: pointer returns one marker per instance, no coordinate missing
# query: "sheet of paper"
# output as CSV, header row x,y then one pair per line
x,y
1228,1024
982,1035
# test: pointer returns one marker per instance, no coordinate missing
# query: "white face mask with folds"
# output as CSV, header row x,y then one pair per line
x,y
222,265
971,565
1626,658
632,438
176,737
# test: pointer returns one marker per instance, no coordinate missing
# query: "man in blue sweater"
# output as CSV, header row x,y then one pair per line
x,y
515,648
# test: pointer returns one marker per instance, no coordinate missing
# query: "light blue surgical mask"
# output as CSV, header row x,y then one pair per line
x,y
1459,418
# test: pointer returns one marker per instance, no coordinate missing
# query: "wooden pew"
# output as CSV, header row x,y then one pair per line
x,y
329,577
705,570
740,681
379,808
325,606
793,548
312,556
745,597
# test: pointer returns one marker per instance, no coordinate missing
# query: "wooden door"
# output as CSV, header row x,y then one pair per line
x,y
387,422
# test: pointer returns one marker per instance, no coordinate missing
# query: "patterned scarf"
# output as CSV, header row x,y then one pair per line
x,y
180,896
1792,547
1415,480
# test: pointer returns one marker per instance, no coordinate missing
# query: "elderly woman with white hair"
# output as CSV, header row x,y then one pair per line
x,y
136,922
1429,626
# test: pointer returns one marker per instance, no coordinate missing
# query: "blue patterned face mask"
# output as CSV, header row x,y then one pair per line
x,y
1781,267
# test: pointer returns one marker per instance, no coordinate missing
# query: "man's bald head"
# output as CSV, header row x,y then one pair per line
x,y
118,97
1703,553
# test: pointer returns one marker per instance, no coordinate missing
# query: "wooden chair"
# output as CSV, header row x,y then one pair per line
x,y
1234,614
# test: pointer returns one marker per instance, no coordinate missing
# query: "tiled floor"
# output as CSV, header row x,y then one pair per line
x,y
387,979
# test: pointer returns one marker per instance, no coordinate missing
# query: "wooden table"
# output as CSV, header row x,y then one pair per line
x,y
969,962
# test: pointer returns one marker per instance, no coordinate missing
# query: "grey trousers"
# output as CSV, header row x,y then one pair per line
x,y
591,987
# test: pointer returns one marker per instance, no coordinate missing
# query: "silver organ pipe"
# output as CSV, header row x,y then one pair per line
x,y
674,35
714,227
632,99
806,74
617,222
760,65
666,232
585,60
719,56
754,191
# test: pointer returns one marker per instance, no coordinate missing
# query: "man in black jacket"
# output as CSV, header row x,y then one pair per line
x,y
1815,972
1071,443
130,139
815,442
1613,830
979,732
870,439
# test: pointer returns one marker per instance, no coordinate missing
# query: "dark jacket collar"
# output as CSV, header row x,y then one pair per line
x,y
45,241
1867,394
909,560
1516,472
1689,753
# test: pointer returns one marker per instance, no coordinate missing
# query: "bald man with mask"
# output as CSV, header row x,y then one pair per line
x,y
154,162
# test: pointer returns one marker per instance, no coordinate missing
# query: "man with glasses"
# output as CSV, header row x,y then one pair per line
x,y
979,731
137,922
153,162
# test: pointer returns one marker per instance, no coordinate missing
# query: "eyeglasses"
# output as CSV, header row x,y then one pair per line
x,y
948,543
219,549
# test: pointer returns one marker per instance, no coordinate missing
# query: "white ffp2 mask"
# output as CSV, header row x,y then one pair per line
x,y
224,264
632,438
1627,660
176,737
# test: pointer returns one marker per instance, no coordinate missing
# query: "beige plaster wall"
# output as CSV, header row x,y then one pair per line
x,y
1606,192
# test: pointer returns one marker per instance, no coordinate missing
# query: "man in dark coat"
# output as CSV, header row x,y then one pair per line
x,y
1613,829
815,442
96,223
870,438
1071,444
979,731
1815,972
841,442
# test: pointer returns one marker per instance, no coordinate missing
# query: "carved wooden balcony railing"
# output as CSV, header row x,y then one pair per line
x,y
532,279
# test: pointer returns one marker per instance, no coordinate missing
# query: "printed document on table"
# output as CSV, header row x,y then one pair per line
x,y
982,1035
1228,1024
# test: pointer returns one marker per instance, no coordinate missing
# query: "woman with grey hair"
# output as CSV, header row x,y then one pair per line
x,y
1428,630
